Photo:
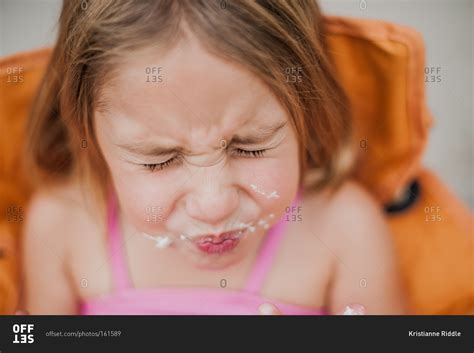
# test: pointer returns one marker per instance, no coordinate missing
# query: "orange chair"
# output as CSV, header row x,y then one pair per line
x,y
381,66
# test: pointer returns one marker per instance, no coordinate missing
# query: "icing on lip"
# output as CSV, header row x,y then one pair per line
x,y
218,244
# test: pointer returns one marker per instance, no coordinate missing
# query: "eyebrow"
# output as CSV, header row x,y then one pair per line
x,y
258,135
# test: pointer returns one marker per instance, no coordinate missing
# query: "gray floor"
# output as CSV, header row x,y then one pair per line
x,y
446,25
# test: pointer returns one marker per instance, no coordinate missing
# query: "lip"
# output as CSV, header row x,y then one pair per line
x,y
218,244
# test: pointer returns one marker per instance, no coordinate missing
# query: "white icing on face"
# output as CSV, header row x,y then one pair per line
x,y
162,241
263,223
270,195
247,226
273,195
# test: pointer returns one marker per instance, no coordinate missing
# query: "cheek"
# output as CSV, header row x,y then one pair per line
x,y
144,203
278,172
274,184
146,209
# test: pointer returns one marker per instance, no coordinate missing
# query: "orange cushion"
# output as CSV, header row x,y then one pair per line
x,y
381,67
20,76
434,242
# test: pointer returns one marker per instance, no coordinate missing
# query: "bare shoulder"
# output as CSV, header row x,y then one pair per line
x,y
56,211
66,193
349,194
349,214
55,218
363,218
365,265
48,209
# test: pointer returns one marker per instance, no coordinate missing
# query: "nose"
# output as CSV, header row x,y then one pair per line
x,y
212,201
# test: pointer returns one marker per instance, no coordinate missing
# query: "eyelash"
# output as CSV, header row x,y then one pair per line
x,y
160,166
251,154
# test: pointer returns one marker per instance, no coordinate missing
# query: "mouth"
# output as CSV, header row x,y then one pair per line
x,y
219,244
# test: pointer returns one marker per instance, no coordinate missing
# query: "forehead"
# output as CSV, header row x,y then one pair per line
x,y
183,92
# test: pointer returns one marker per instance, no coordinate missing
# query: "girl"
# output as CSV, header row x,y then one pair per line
x,y
191,157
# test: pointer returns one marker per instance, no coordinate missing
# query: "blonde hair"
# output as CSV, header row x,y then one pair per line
x,y
269,38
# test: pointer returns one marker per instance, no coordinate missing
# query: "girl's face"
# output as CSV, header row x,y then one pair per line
x,y
178,133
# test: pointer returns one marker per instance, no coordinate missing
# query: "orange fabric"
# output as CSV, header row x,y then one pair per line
x,y
381,67
9,230
19,79
435,243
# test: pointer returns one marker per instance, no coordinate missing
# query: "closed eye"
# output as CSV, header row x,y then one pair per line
x,y
245,153
160,166
240,152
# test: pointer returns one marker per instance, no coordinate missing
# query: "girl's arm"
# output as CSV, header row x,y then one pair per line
x,y
365,259
47,289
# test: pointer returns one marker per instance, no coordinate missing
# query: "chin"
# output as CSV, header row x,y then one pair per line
x,y
219,265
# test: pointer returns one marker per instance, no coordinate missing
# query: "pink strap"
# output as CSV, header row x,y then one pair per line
x,y
267,253
119,266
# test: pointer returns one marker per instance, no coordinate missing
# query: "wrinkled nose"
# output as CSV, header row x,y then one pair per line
x,y
213,202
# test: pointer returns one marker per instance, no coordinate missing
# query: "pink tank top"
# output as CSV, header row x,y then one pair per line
x,y
127,300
